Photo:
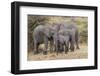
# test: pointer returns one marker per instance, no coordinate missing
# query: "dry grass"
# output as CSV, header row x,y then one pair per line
x,y
82,53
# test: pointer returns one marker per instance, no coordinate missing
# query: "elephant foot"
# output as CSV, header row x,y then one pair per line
x,y
66,52
72,49
77,48
45,52
36,53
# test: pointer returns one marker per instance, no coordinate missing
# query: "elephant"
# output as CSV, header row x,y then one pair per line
x,y
66,38
44,34
63,41
73,32
41,34
58,35
65,31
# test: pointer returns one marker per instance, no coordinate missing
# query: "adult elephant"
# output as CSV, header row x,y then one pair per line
x,y
74,33
41,35
44,34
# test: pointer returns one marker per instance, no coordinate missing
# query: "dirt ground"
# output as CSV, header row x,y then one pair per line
x,y
81,53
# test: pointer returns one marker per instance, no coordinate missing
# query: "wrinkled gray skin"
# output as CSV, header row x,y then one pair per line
x,y
73,33
43,34
61,39
65,32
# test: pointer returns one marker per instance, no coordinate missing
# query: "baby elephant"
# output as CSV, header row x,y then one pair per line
x,y
61,40
68,37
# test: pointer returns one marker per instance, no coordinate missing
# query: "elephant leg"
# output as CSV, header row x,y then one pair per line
x,y
54,48
77,45
46,46
35,45
36,48
72,41
76,40
72,45
51,46
57,47
61,47
66,47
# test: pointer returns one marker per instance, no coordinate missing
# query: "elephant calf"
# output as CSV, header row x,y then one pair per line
x,y
61,40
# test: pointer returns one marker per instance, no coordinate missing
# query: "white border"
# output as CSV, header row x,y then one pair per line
x,y
26,65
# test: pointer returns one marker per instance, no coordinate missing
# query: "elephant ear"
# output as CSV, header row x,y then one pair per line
x,y
47,32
